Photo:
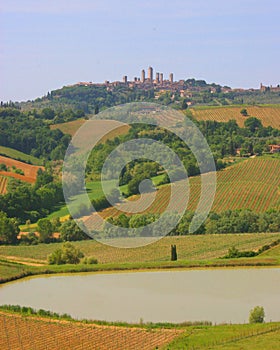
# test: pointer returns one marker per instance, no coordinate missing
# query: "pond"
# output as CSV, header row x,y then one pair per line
x,y
217,295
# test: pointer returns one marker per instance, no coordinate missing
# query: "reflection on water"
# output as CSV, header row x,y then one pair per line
x,y
175,296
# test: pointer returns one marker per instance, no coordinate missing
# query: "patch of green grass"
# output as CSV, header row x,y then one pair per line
x,y
15,154
228,337
94,190
11,271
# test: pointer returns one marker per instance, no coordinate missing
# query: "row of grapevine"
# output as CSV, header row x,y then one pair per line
x,y
19,332
3,184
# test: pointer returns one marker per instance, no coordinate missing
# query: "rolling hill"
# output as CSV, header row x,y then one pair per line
x,y
251,184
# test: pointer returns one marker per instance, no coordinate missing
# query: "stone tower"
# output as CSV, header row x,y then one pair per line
x,y
150,74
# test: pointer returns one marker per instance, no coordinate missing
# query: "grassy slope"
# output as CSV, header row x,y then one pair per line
x,y
95,191
13,153
252,184
268,114
189,248
229,337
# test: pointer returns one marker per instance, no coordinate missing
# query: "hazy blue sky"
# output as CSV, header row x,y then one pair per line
x,y
48,44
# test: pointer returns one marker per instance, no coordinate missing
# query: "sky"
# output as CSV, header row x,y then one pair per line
x,y
45,45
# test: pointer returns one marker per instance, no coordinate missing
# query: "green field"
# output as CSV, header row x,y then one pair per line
x,y
229,337
94,190
13,153
189,248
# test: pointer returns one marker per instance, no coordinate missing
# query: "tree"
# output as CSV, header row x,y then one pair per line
x,y
45,228
70,231
244,112
9,229
257,315
173,253
68,254
252,124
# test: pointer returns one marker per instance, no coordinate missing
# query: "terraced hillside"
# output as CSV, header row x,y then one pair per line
x,y
269,115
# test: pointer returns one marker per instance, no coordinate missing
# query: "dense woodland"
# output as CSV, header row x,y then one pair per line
x,y
30,133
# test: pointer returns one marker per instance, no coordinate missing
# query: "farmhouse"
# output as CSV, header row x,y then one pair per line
x,y
274,148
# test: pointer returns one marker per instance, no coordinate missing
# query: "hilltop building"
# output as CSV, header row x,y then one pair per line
x,y
150,74
143,76
264,88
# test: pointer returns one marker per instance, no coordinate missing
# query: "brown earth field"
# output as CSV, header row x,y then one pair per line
x,y
30,171
24,332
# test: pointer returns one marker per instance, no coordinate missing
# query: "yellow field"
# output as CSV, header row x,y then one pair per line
x,y
269,115
18,332
71,128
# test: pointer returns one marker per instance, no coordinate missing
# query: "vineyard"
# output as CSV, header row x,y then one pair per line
x,y
19,332
3,184
191,248
251,184
269,115
30,171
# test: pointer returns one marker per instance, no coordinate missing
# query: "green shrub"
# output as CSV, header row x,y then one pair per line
x,y
257,315
68,254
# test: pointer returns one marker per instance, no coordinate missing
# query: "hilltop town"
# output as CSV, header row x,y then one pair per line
x,y
183,87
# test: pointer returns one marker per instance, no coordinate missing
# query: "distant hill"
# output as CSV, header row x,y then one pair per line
x,y
94,97
269,115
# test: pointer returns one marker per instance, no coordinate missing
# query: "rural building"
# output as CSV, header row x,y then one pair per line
x,y
274,148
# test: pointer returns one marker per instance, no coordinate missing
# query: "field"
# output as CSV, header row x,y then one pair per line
x,y
252,184
3,184
269,115
30,171
229,337
26,332
15,154
190,248
94,190
73,126
69,127
18,332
